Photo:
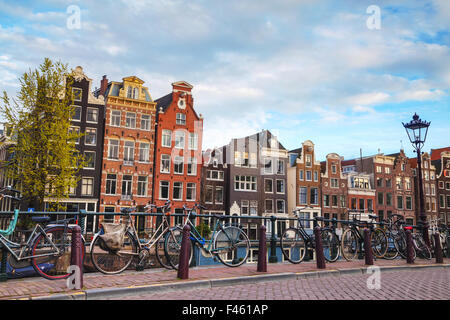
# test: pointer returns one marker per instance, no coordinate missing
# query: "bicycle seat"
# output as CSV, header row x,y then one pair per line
x,y
40,219
408,228
374,217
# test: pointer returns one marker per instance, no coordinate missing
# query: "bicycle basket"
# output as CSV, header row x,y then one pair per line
x,y
114,236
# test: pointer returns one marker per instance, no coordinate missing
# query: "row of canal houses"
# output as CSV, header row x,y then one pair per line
x,y
143,150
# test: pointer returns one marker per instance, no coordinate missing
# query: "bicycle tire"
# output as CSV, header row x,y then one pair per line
x,y
391,252
161,255
330,244
231,240
349,244
423,250
109,262
379,242
172,246
293,245
53,267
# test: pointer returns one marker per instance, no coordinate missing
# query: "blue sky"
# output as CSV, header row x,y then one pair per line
x,y
304,69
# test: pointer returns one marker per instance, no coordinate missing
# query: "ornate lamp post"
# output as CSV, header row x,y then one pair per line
x,y
417,131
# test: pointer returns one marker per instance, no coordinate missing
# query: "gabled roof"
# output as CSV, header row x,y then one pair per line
x,y
348,163
164,102
436,153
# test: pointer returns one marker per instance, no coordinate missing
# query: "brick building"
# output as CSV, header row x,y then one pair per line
x,y
304,184
361,194
441,160
127,170
178,150
333,185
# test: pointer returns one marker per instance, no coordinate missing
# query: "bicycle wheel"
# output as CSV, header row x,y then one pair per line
x,y
160,254
293,245
379,242
349,244
330,244
423,250
172,247
113,262
53,265
232,246
391,252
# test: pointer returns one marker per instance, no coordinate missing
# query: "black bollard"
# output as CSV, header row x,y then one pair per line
x,y
320,258
437,249
262,250
183,266
409,247
368,254
76,256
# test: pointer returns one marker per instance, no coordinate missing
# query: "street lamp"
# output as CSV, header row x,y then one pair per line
x,y
417,131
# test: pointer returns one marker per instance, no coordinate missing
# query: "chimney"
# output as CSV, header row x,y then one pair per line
x,y
103,85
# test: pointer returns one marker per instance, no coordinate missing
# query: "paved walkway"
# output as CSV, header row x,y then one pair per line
x,y
35,287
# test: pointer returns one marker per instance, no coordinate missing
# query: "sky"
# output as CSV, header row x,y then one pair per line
x,y
339,73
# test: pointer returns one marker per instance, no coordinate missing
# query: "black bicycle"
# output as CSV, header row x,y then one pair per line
x,y
296,242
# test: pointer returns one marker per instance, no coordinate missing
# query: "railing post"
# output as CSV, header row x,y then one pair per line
x,y
262,250
183,266
76,257
368,248
409,247
273,242
438,249
81,220
320,258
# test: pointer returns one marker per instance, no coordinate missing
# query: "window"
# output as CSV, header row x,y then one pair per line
x,y
245,207
441,184
343,203
191,191
209,194
303,195
308,160
380,182
87,186
389,199
75,131
164,190
300,175
127,181
448,201
388,183
165,163
268,185
380,198
280,206
269,206
361,204
408,183
178,165
113,149
90,137
179,139
403,167
408,203
192,166
433,190
399,183
193,141
142,186
218,195
425,174
166,138
447,186
314,197
333,168
92,115
77,113
181,118
144,152
214,175
268,166
379,169
280,167
145,122
334,200
130,120
316,176
237,158
111,182
115,118
244,183
387,170
89,158
177,190
353,205
280,186
326,200
334,183
245,161
369,205
77,94
308,175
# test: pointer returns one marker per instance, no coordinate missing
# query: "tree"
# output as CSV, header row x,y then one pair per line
x,y
45,160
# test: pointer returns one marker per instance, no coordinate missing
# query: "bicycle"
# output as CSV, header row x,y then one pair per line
x,y
352,239
116,261
48,249
296,242
420,248
436,228
228,243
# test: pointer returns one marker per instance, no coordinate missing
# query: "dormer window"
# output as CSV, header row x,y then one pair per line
x,y
130,92
136,93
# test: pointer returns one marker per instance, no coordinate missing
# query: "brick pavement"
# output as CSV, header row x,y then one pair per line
x,y
423,284
34,287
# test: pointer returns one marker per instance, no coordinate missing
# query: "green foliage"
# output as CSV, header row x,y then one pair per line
x,y
45,159
204,230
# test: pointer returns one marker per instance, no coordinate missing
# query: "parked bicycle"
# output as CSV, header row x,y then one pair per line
x,y
420,248
352,238
48,248
295,242
440,229
228,243
393,228
110,261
